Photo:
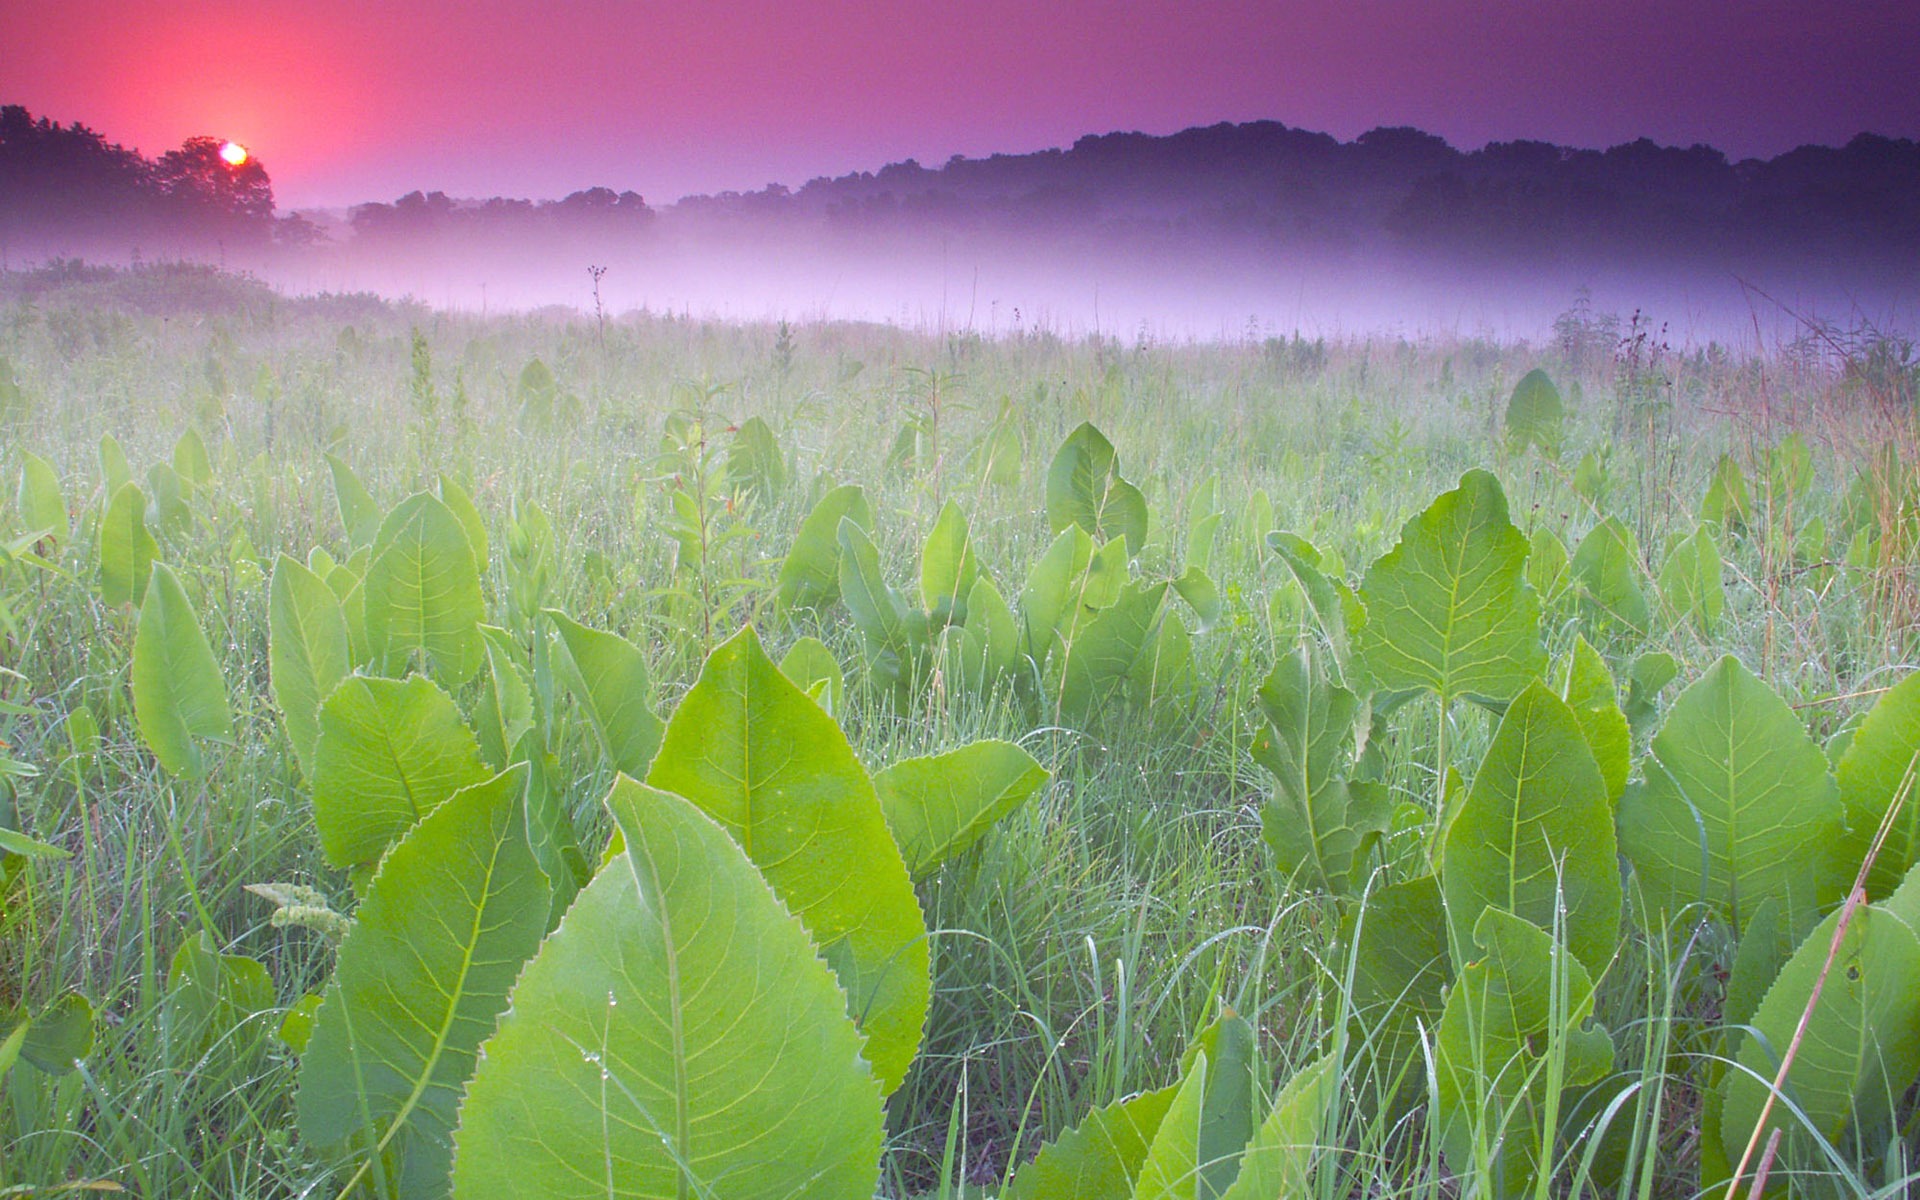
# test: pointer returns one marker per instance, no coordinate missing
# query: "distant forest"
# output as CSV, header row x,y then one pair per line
x,y
1264,181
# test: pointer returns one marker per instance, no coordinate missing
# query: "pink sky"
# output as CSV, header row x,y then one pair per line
x,y
354,100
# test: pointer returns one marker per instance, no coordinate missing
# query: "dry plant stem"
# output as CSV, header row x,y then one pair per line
x,y
1855,899
1766,1165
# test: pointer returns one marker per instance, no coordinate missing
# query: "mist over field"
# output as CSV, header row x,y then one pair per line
x,y
1213,233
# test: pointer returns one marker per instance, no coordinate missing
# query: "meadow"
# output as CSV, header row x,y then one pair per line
x,y
547,755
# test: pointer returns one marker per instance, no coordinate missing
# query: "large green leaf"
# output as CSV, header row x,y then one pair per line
x,y
1861,1050
60,1035
810,576
1690,584
1884,753
1104,655
1520,1000
422,592
1330,599
1053,590
1586,684
1736,805
939,805
948,567
389,752
1084,488
1279,1160
1607,567
39,500
1397,942
894,633
755,465
755,754
1535,414
988,642
359,514
1230,1049
609,677
676,1036
127,549
308,653
454,912
179,694
1449,608
814,669
1175,1162
1099,1158
1318,823
505,711
1534,836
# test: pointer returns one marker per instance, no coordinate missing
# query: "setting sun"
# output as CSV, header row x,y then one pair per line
x,y
234,154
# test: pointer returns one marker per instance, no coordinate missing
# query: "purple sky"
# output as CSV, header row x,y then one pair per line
x,y
352,100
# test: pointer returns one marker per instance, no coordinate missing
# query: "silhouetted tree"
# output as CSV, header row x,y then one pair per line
x,y
196,177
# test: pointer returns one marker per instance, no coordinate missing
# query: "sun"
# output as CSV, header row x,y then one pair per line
x,y
234,154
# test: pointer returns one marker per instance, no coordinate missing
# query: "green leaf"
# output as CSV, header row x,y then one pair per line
x,y
167,508
308,652
1586,684
1884,752
10,1047
1279,1160
1229,1049
1534,835
1330,599
1736,805
1317,822
1103,656
178,692
948,568
1607,568
1500,1023
1548,567
39,499
114,471
1535,414
1448,608
359,515
12,841
422,592
1173,1167
191,462
1646,679
815,670
460,504
1401,970
810,576
1099,1158
609,677
755,465
938,806
1726,504
1861,1050
1690,582
675,1036
453,913
1197,588
60,1034
1054,590
992,636
1084,488
214,1001
127,549
390,751
755,754
878,610
504,713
